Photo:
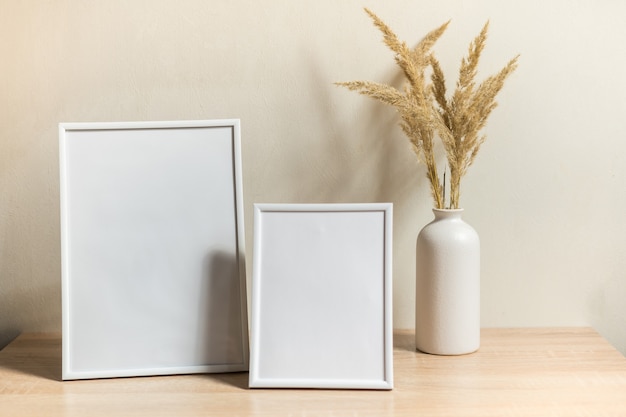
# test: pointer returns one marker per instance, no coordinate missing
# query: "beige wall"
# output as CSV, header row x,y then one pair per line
x,y
547,193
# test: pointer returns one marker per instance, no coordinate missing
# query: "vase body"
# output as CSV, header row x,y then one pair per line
x,y
447,305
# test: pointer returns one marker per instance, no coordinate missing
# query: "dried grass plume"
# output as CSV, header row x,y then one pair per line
x,y
426,111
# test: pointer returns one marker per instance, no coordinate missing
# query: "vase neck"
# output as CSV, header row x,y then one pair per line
x,y
441,214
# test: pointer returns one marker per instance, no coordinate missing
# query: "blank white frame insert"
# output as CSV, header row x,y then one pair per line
x,y
321,313
153,268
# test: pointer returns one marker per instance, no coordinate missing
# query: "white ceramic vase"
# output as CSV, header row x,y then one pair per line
x,y
447,305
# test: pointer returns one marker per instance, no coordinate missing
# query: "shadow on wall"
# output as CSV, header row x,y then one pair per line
x,y
26,306
30,291
364,163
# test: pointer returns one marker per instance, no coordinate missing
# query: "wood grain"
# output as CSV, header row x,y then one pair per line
x,y
516,372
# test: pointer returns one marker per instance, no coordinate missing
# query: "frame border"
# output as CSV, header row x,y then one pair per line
x,y
255,379
67,372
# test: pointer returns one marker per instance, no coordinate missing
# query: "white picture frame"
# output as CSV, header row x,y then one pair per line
x,y
321,312
152,242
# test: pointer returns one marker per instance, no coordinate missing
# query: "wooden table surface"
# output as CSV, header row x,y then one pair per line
x,y
516,372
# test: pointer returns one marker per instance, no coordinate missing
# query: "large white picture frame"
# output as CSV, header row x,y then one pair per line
x,y
153,267
321,313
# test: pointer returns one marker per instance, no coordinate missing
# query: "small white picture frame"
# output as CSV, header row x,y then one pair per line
x,y
321,313
152,241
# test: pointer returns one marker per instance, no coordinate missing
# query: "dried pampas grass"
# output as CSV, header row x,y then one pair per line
x,y
426,111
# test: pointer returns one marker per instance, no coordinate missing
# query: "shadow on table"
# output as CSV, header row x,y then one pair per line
x,y
7,336
404,340
234,379
40,356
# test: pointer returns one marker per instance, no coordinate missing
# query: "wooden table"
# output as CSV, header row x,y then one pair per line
x,y
517,372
